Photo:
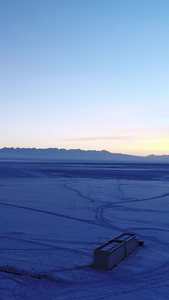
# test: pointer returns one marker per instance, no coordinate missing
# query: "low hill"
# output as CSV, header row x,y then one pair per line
x,y
55,154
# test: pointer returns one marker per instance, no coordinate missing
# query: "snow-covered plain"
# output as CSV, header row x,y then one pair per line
x,y
53,215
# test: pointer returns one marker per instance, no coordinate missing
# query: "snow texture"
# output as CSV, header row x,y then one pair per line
x,y
53,216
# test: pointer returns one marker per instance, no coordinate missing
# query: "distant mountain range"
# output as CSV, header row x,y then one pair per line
x,y
55,154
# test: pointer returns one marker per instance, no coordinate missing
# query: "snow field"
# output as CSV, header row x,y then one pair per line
x,y
50,226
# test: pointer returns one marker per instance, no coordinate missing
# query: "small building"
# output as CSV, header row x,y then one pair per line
x,y
130,241
109,255
113,252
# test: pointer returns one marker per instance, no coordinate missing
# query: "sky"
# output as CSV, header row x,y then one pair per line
x,y
88,74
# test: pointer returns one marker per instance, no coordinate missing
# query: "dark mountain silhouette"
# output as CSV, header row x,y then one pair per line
x,y
55,154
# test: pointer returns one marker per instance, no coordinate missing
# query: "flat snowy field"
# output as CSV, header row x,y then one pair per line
x,y
52,217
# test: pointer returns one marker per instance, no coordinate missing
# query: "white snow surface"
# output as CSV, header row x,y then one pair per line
x,y
52,217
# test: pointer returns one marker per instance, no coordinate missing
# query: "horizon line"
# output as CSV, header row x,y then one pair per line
x,y
74,149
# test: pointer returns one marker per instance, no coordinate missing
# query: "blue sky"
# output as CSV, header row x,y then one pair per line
x,y
89,74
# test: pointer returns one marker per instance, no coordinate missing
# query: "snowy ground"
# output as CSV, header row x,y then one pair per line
x,y
52,216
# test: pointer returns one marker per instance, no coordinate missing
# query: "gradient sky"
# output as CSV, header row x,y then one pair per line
x,y
89,74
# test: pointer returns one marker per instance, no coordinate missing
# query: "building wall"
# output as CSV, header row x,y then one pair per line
x,y
116,257
107,260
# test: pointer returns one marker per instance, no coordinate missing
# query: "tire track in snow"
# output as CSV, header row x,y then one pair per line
x,y
26,284
51,213
100,290
146,199
103,221
78,192
130,200
100,210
